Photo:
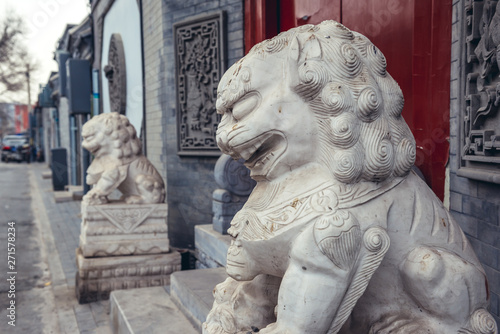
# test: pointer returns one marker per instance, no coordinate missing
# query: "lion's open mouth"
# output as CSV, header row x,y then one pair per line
x,y
262,152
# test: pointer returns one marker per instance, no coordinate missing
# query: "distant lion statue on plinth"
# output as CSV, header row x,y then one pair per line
x,y
119,163
339,235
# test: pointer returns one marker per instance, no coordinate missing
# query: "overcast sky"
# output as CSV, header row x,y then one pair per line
x,y
46,21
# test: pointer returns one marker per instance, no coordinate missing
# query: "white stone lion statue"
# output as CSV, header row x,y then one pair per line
x,y
118,163
339,235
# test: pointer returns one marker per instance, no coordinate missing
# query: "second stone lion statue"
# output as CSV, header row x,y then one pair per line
x,y
119,163
339,235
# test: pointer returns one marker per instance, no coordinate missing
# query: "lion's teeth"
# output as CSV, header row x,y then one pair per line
x,y
246,154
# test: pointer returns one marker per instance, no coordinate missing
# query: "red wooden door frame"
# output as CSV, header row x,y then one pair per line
x,y
258,25
266,18
431,89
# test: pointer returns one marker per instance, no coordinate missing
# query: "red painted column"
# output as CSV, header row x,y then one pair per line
x,y
255,23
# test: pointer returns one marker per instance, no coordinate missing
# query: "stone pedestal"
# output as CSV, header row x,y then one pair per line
x,y
211,247
98,276
123,229
123,246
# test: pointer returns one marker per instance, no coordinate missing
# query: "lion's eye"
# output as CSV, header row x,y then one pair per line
x,y
246,105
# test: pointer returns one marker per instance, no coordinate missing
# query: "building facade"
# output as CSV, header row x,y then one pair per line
x,y
417,39
474,167
187,47
159,62
65,99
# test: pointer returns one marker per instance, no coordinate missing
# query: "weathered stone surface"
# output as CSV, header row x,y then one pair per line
x,y
211,246
98,276
191,291
339,235
121,229
119,163
62,196
148,310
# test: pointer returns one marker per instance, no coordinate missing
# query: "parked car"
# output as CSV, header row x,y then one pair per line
x,y
16,147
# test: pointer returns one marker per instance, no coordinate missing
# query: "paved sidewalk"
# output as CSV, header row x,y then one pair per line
x,y
61,229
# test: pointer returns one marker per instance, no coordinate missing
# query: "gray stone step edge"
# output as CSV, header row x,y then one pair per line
x,y
212,243
147,311
192,292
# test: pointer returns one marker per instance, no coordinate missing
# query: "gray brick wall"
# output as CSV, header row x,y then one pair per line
x,y
154,68
190,181
474,204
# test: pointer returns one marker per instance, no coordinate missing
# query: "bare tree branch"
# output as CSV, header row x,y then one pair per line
x,y
16,65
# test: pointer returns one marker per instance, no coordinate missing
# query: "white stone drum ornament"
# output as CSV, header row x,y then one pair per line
x,y
339,235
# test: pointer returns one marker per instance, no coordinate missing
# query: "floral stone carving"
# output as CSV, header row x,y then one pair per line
x,y
339,235
199,56
121,229
480,144
123,244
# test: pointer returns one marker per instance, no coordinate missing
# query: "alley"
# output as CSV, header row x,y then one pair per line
x,y
46,235
29,284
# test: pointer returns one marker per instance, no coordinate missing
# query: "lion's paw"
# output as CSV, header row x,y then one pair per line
x,y
400,324
273,329
150,189
93,198
133,200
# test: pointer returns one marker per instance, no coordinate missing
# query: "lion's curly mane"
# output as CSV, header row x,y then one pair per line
x,y
122,134
357,104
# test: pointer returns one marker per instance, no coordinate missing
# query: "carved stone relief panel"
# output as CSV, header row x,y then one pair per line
x,y
116,74
480,146
199,55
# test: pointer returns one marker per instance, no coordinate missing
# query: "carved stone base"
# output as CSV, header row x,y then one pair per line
x,y
224,210
116,229
97,277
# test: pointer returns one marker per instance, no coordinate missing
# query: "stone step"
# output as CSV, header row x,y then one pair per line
x,y
191,291
147,311
211,246
63,196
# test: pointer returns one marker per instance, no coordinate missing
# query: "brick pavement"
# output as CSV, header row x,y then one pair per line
x,y
61,230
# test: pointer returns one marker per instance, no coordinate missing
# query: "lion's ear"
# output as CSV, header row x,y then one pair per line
x,y
300,54
311,49
293,62
108,126
294,50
